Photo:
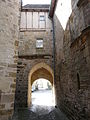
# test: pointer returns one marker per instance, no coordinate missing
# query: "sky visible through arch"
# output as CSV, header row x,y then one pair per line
x,y
63,9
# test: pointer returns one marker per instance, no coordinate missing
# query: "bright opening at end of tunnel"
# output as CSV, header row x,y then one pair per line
x,y
42,93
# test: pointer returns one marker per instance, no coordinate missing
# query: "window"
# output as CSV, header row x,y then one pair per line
x,y
39,43
42,18
78,81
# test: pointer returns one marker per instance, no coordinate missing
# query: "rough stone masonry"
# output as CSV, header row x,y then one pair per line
x,y
9,32
19,54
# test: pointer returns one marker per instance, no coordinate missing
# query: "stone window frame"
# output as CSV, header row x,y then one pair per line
x,y
42,16
38,42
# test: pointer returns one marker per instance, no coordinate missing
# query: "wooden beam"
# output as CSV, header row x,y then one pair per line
x,y
52,8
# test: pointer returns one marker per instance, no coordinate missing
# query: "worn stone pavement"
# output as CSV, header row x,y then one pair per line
x,y
39,113
42,108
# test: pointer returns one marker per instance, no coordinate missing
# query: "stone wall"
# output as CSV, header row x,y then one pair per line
x,y
28,39
75,68
59,34
9,30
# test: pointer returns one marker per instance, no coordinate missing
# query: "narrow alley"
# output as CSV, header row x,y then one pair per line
x,y
42,108
45,40
28,114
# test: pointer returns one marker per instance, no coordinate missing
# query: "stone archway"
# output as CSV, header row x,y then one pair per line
x,y
40,70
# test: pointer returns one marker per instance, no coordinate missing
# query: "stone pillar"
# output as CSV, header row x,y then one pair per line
x,y
9,30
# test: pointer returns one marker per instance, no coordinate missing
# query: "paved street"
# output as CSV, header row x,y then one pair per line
x,y
40,109
43,97
27,114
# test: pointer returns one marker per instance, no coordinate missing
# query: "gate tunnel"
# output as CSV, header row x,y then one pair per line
x,y
41,70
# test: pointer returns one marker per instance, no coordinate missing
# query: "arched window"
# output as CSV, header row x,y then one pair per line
x,y
78,81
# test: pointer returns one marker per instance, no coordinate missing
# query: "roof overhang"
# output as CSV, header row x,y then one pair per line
x,y
52,8
36,8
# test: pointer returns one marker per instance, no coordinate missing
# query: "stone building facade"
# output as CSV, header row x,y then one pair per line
x,y
35,49
9,31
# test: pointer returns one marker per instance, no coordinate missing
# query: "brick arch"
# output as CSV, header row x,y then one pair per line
x,y
40,70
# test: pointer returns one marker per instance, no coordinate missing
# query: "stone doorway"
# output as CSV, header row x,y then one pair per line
x,y
40,70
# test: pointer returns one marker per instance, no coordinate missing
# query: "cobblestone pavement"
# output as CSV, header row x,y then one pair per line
x,y
39,113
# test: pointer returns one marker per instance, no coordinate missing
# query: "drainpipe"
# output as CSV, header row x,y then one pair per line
x,y
51,16
54,50
54,57
21,4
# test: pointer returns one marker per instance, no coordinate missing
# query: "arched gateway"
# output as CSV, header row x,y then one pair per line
x,y
40,70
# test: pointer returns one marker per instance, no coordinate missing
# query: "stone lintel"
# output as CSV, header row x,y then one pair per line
x,y
35,10
32,30
36,56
